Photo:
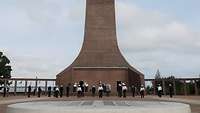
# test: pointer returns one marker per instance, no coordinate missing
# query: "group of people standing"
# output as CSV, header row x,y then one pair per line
x,y
160,90
121,89
103,88
82,88
79,90
138,90
56,91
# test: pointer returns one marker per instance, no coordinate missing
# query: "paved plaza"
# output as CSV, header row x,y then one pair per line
x,y
98,106
110,102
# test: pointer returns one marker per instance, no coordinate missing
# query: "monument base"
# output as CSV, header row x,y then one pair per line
x,y
95,75
99,107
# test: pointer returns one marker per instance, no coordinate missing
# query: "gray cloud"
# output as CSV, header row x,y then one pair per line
x,y
157,41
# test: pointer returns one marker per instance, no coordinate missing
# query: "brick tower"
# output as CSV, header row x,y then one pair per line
x,y
100,58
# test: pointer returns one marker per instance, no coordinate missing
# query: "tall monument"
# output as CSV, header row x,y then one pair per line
x,y
100,58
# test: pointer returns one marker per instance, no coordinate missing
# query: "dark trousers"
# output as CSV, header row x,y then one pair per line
x,y
4,92
120,93
86,89
133,93
56,94
61,93
39,94
170,94
79,94
100,94
124,93
93,93
49,93
142,94
29,94
160,94
67,93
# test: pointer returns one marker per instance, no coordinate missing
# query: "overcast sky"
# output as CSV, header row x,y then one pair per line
x,y
42,37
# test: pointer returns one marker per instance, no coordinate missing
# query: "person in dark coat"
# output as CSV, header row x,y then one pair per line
x,y
93,90
81,83
49,91
74,87
7,91
79,90
86,86
56,92
39,91
159,91
34,92
61,91
82,90
170,90
142,89
100,89
4,91
120,90
67,90
133,90
124,89
29,91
